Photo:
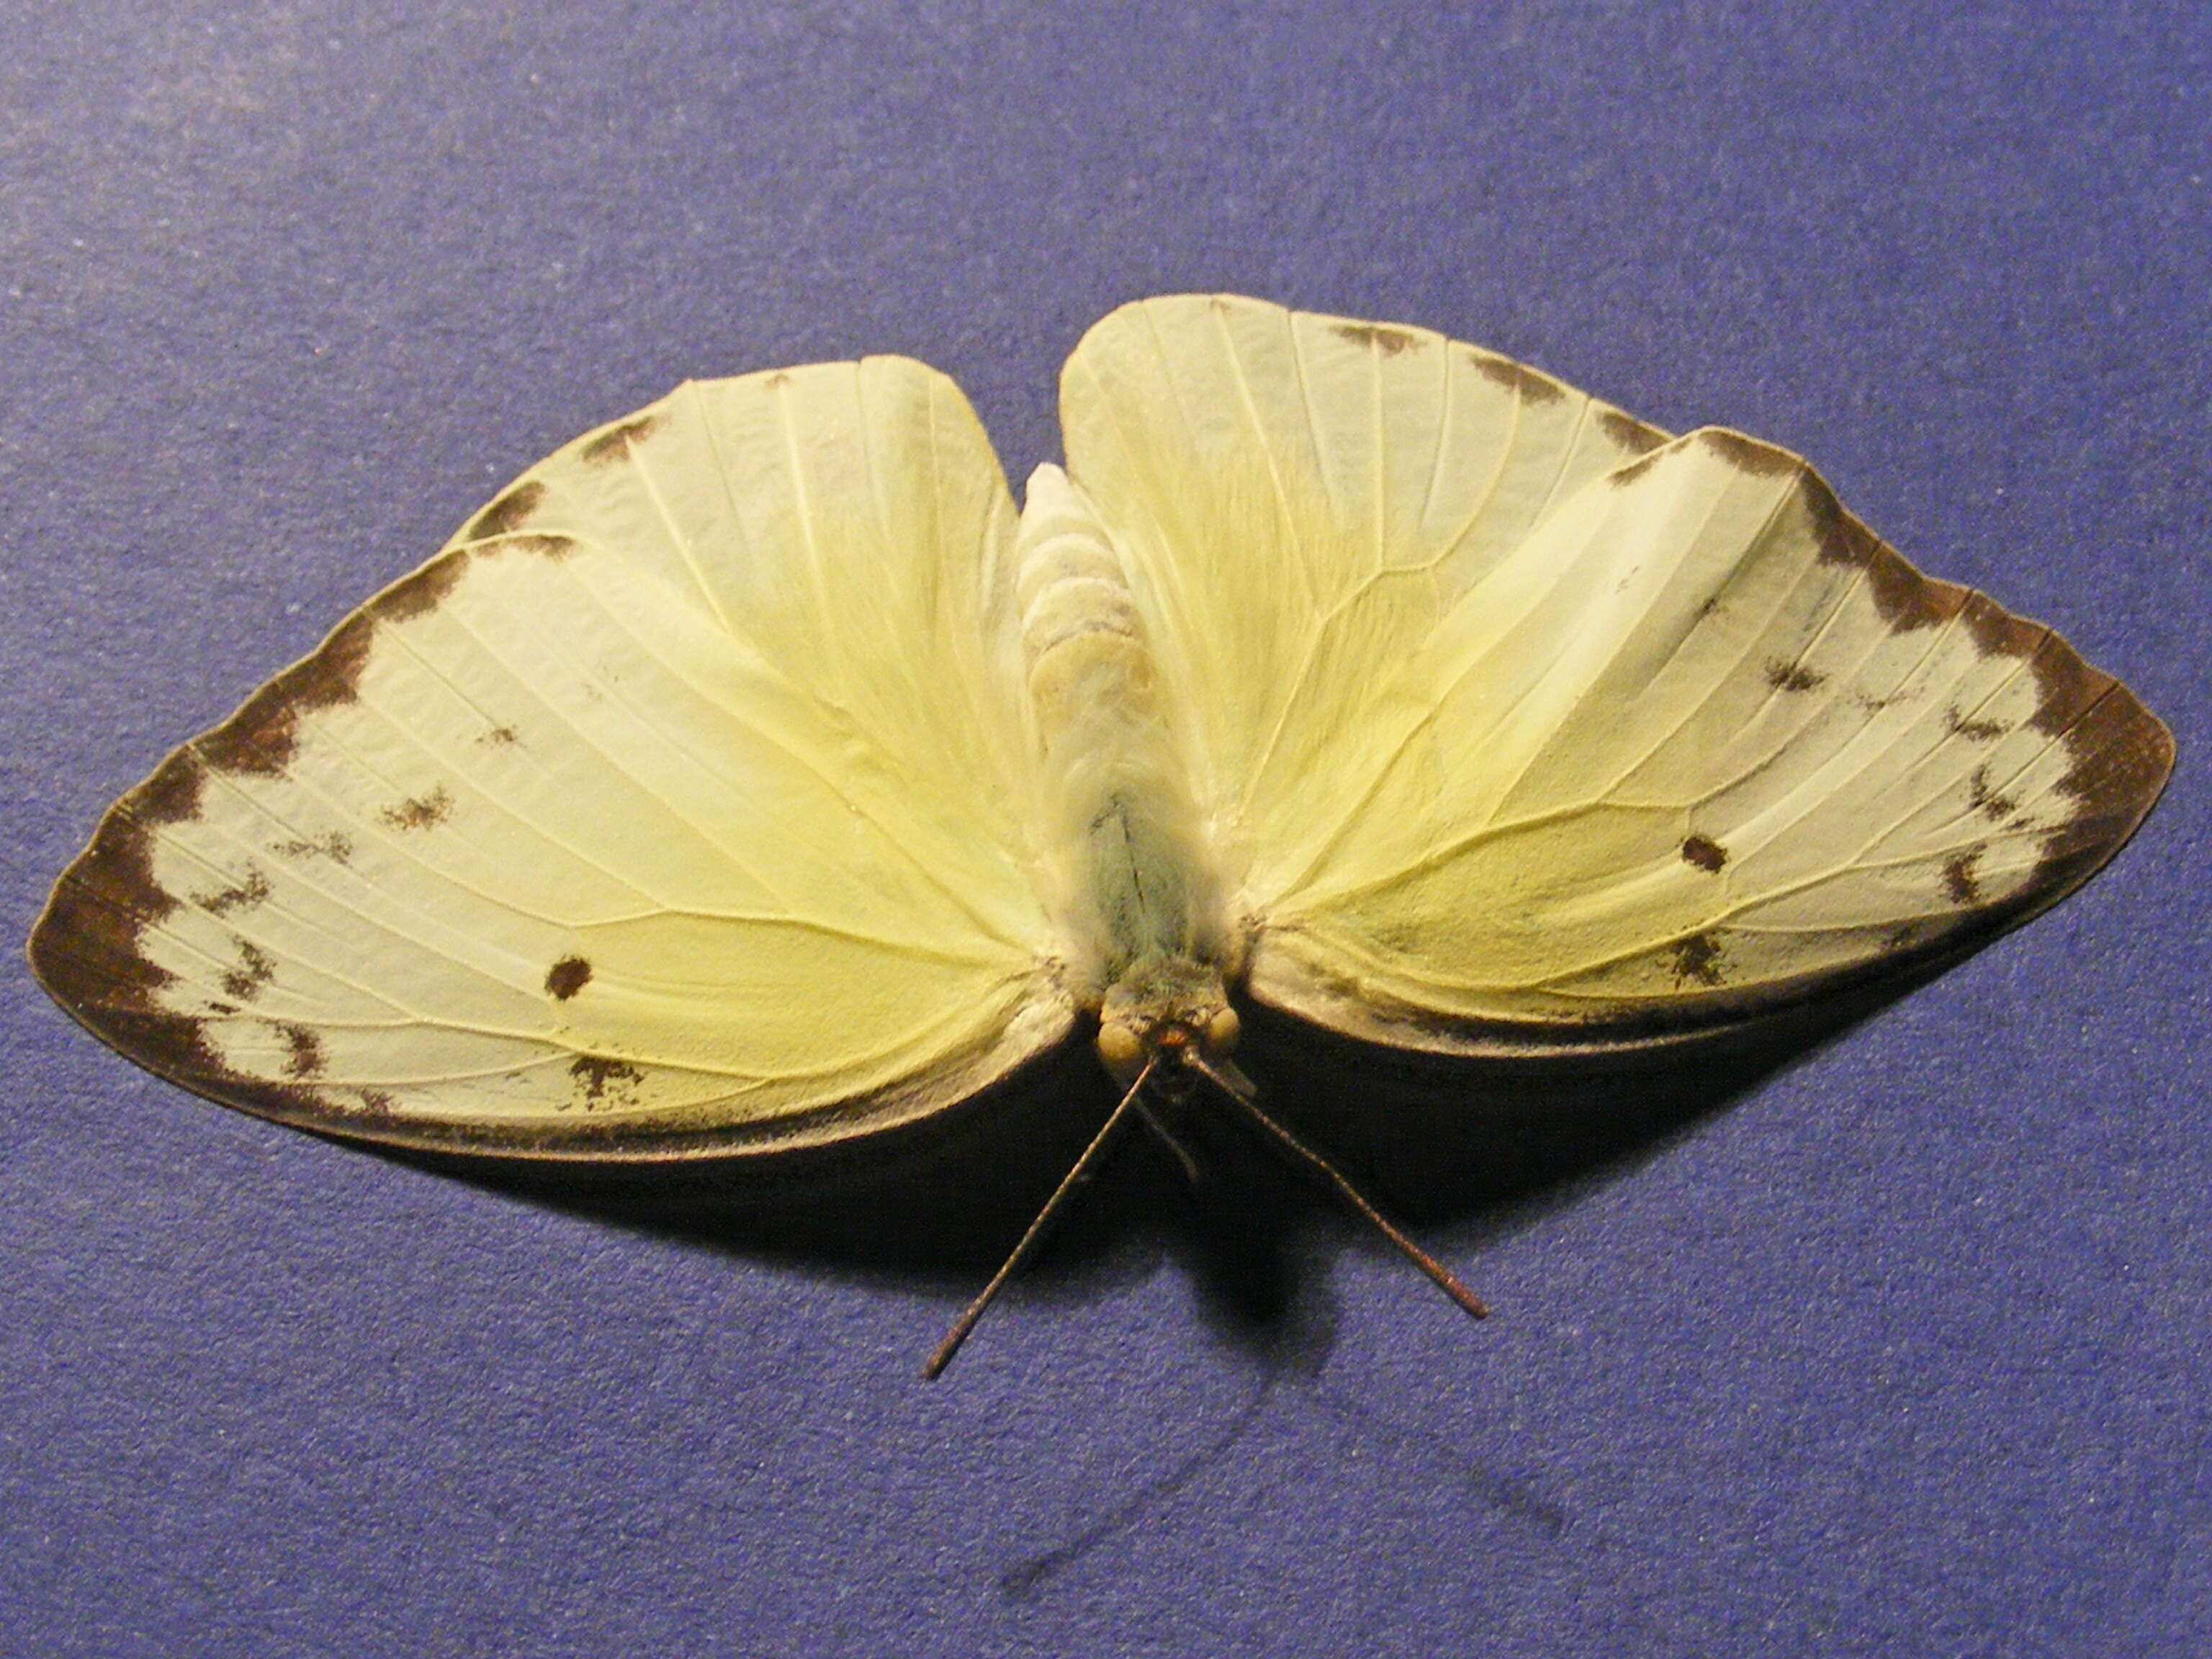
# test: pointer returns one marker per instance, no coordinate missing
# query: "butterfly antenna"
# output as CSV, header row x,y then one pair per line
x,y
1068,1185
1223,1075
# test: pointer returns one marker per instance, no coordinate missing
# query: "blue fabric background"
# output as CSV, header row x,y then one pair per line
x,y
1905,1353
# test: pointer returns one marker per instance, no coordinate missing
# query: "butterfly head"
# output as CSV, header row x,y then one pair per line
x,y
1170,1012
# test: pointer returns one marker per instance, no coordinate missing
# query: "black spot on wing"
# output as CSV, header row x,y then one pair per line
x,y
1705,853
567,976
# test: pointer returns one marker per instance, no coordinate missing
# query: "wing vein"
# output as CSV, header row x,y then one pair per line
x,y
633,454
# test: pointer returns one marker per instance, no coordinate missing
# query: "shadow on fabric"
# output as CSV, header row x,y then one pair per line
x,y
1460,1152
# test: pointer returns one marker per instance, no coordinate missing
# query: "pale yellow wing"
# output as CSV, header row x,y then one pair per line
x,y
1300,499
682,805
1522,726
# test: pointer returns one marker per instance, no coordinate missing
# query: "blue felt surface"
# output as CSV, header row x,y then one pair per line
x,y
1906,1352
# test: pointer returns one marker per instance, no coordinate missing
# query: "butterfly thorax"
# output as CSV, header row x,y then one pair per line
x,y
1133,881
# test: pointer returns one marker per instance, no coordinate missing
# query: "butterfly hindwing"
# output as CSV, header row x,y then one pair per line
x,y
678,805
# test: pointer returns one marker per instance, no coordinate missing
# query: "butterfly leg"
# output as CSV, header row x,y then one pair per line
x,y
1168,1138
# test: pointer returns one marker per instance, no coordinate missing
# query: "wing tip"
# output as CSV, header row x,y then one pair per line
x,y
85,950
86,937
2070,687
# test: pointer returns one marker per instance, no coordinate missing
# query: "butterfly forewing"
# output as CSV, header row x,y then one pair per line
x,y
1300,499
679,804
1561,731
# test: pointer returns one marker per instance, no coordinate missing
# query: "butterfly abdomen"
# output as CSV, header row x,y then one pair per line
x,y
1129,863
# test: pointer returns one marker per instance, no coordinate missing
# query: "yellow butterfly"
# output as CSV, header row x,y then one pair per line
x,y
750,775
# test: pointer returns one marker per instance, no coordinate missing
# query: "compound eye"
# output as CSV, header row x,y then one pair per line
x,y
1221,1034
1122,1051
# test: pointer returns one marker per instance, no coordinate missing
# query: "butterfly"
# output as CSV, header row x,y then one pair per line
x,y
752,776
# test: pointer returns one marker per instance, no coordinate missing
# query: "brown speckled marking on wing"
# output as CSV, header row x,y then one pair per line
x,y
1698,960
1974,730
1958,883
1625,432
260,736
614,444
305,1057
244,894
256,968
85,947
336,845
1748,455
1621,477
423,811
1382,338
602,1083
507,515
544,544
1530,385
